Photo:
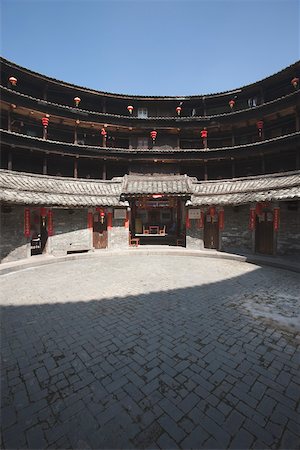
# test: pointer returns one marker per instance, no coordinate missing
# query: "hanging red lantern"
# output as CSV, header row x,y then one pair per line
x,y
50,222
178,110
231,103
276,219
103,132
212,211
153,135
27,222
102,215
260,126
13,81
130,109
204,133
77,100
295,82
252,219
45,121
221,220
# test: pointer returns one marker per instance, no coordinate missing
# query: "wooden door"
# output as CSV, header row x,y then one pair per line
x,y
211,232
99,232
264,233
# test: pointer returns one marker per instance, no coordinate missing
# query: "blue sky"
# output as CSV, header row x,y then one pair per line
x,y
152,47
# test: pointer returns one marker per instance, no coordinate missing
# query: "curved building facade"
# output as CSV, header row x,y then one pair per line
x,y
84,170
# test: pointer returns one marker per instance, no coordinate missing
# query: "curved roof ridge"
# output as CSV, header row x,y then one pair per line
x,y
137,96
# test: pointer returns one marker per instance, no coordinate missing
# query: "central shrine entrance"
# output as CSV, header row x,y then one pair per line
x,y
157,219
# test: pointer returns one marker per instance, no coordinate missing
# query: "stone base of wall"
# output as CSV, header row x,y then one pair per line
x,y
13,244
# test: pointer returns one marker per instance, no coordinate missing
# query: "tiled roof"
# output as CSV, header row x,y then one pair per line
x,y
26,188
249,189
156,184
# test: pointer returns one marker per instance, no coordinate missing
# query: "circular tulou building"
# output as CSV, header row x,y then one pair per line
x,y
84,170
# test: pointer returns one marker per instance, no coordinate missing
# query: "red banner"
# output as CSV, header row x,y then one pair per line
x,y
212,211
109,220
187,220
50,222
126,222
27,222
90,220
276,218
43,212
201,220
252,219
221,220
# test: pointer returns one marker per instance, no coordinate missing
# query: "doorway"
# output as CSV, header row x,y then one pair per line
x,y
264,234
211,231
99,231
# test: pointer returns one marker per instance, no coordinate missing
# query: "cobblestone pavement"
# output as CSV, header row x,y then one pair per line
x,y
150,352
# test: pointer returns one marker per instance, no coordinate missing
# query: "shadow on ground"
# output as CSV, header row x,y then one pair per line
x,y
183,368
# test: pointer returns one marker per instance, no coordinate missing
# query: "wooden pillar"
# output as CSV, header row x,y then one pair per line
x,y
263,166
45,133
75,135
297,160
232,138
204,106
233,168
9,120
9,162
297,124
205,172
104,171
45,165
76,168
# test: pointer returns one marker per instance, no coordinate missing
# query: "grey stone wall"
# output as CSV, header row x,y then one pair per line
x,y
70,232
194,236
288,236
118,235
13,244
236,236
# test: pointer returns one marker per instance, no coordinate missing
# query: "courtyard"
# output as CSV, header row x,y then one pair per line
x,y
141,351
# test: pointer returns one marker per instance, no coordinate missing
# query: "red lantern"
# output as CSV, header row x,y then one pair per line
x,y
130,109
204,133
295,82
45,121
13,81
231,103
103,132
90,220
260,126
212,211
43,212
50,222
153,135
252,219
102,215
77,100
27,222
178,110
221,220
276,219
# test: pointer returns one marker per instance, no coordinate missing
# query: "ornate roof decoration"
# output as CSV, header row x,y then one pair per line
x,y
156,184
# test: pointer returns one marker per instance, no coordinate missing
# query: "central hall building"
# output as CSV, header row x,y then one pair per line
x,y
84,170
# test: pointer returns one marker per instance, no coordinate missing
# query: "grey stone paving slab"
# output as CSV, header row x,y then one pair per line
x,y
145,351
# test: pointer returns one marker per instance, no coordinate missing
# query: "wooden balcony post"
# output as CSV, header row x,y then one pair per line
x,y
9,162
45,165
104,171
76,168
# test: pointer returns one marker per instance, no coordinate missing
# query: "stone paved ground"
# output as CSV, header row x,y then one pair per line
x,y
150,352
